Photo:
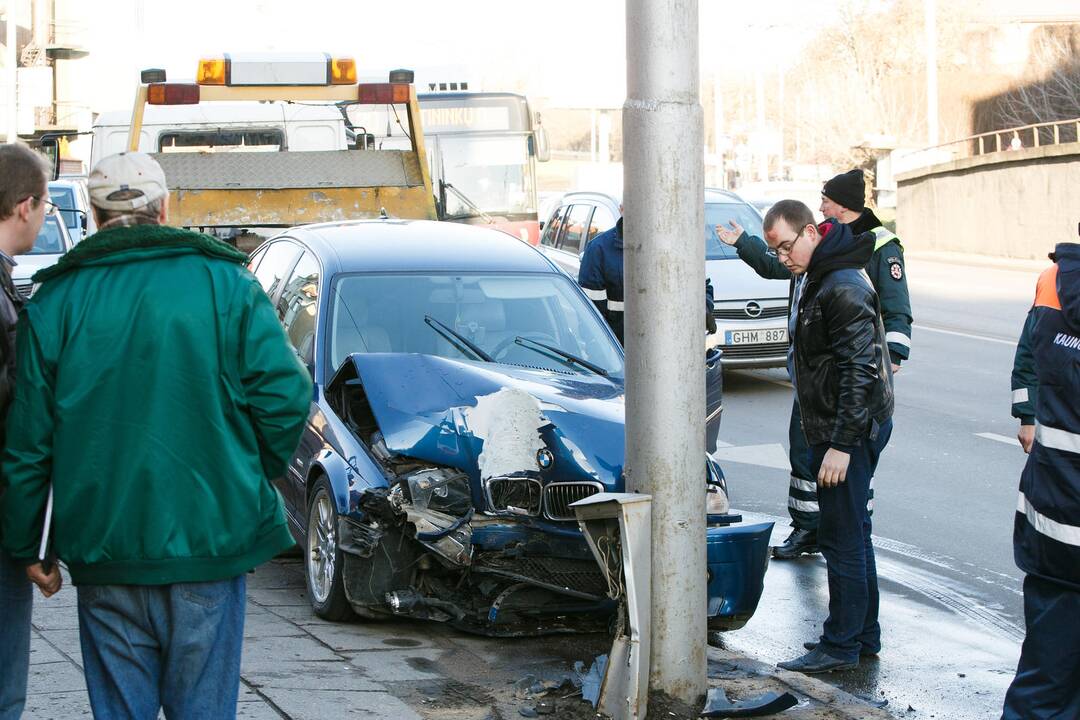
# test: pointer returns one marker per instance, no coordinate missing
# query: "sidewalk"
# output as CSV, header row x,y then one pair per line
x,y
300,667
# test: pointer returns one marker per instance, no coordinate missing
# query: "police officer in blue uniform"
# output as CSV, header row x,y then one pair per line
x,y
1046,529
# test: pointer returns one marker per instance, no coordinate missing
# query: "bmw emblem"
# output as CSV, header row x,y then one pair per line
x,y
544,458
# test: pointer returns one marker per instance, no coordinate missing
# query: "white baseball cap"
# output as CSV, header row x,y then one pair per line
x,y
126,181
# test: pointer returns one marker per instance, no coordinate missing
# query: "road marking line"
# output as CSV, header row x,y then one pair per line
x,y
966,335
999,438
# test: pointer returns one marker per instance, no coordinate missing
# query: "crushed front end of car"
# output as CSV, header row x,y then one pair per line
x,y
470,522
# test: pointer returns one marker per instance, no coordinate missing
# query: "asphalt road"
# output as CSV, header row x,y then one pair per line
x,y
952,608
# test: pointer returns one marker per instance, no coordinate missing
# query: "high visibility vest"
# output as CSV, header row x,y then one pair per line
x,y
883,236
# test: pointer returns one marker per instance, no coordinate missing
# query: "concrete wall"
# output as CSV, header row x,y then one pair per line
x,y
1011,204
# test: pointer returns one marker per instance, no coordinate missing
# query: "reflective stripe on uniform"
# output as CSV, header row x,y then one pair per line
x,y
1068,534
803,505
597,295
882,237
1057,439
615,305
1020,395
805,485
899,338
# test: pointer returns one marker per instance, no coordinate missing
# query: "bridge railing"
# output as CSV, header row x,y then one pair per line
x,y
995,141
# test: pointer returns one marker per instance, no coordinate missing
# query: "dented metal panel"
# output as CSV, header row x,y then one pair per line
x,y
281,170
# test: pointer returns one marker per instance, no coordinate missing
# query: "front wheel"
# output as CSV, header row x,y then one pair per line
x,y
323,560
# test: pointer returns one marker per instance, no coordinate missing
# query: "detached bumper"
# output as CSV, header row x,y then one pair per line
x,y
737,557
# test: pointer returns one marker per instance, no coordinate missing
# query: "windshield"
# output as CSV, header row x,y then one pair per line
x,y
64,199
721,214
386,313
490,170
50,241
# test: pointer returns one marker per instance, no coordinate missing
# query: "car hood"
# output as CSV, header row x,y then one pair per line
x,y
493,420
732,279
27,265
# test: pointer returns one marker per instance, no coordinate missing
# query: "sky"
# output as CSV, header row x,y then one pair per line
x,y
570,51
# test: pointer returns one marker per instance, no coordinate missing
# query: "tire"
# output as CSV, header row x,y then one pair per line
x,y
323,562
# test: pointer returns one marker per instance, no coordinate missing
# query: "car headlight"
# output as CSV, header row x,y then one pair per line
x,y
716,496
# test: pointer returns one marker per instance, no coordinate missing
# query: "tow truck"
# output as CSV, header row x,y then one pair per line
x,y
232,169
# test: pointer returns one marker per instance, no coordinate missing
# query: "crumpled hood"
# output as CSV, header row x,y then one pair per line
x,y
492,420
1068,281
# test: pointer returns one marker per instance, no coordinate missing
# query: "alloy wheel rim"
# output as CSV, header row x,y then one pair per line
x,y
322,547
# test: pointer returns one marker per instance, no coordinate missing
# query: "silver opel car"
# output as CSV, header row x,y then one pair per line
x,y
750,311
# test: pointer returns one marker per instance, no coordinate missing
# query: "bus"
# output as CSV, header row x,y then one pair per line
x,y
482,149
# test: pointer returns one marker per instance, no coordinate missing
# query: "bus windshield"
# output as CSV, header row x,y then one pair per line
x,y
489,171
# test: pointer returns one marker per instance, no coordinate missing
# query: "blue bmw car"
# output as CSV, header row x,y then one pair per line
x,y
466,393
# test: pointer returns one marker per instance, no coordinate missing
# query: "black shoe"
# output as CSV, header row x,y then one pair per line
x,y
863,650
799,542
817,661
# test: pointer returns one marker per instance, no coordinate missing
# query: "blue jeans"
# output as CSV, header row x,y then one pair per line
x,y
175,647
844,538
1047,682
16,604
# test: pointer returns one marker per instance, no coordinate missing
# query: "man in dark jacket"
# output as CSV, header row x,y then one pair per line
x,y
842,198
840,367
1046,528
23,201
601,275
157,394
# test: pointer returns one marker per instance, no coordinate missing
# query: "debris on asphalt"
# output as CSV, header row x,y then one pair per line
x,y
590,681
528,712
718,705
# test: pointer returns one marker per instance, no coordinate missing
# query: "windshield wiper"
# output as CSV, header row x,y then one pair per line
x,y
465,199
457,338
533,344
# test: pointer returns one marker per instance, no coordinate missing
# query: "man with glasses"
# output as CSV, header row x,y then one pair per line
x,y
839,365
23,191
842,198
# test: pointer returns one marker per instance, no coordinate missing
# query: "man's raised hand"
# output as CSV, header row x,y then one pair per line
x,y
729,236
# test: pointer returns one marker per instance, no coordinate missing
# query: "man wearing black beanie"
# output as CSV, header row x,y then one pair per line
x,y
843,198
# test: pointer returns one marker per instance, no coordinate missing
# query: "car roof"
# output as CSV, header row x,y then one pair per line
x,y
712,195
402,245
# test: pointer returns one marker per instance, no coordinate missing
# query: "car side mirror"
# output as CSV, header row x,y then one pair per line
x,y
50,146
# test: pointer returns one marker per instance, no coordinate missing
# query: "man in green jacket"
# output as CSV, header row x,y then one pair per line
x,y
157,395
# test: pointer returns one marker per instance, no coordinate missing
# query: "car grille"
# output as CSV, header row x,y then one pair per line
x,y
738,352
521,493
559,496
739,313
24,287
581,576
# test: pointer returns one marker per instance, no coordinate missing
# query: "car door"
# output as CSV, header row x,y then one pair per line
x,y
297,307
570,241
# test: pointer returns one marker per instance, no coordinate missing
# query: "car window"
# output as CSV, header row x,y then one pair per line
x,y
253,261
721,214
277,261
298,304
577,221
64,199
551,230
602,220
50,239
500,314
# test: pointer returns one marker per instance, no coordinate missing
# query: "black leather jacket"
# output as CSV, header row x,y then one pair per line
x,y
842,372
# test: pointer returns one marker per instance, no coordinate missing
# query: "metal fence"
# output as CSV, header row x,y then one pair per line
x,y
996,141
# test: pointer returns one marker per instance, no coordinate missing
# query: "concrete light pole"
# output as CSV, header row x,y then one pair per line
x,y
930,11
11,73
664,246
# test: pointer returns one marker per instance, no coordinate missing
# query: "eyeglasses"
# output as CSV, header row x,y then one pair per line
x,y
785,248
51,208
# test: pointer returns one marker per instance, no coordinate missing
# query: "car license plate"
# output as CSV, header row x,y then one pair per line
x,y
755,337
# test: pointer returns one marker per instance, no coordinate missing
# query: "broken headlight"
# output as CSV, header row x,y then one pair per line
x,y
514,495
441,489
